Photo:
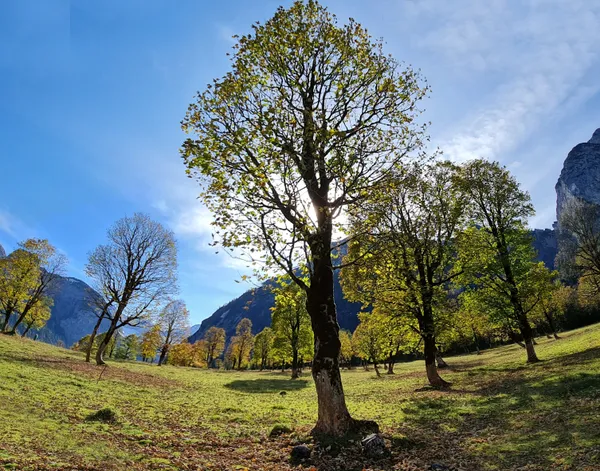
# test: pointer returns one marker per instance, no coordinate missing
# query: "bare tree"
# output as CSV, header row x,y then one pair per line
x,y
175,326
136,270
579,242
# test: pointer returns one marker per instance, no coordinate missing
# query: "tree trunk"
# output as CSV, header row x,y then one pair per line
x,y
440,361
26,330
105,341
528,337
102,347
163,354
295,372
376,369
7,315
429,346
20,318
88,353
333,416
476,341
390,368
550,320
430,350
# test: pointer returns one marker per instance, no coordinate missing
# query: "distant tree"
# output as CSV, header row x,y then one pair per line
x,y
83,344
175,326
397,337
151,342
306,124
242,343
369,339
128,348
579,242
200,353
231,354
135,270
471,324
402,256
263,346
215,344
548,308
37,315
19,275
347,349
496,253
181,354
290,322
51,264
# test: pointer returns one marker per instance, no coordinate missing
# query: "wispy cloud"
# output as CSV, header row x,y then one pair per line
x,y
539,53
8,223
226,34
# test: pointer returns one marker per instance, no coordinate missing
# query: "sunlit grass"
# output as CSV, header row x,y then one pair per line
x,y
500,414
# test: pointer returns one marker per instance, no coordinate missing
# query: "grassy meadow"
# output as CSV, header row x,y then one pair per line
x,y
499,415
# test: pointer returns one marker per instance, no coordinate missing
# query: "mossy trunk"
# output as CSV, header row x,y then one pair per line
x,y
88,352
430,349
333,416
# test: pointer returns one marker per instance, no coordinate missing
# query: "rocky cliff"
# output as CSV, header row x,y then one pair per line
x,y
73,312
580,176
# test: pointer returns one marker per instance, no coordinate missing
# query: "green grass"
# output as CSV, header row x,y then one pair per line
x,y
499,415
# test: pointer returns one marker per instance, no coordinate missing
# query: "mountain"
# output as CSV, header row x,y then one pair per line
x,y
546,246
255,304
73,312
580,175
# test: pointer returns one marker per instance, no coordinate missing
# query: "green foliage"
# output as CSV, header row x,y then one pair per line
x,y
128,348
38,314
263,348
402,257
215,344
240,348
369,339
496,253
151,342
293,336
348,349
309,118
19,275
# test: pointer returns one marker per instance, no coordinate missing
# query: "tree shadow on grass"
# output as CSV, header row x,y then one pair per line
x,y
532,419
266,385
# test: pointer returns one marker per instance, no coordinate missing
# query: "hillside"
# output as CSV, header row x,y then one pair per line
x,y
500,414
256,304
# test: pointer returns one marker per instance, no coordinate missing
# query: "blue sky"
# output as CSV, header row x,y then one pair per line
x,y
92,93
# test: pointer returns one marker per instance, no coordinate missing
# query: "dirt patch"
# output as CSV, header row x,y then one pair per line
x,y
110,372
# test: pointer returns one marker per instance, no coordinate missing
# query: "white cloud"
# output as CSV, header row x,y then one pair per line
x,y
539,53
226,34
8,223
